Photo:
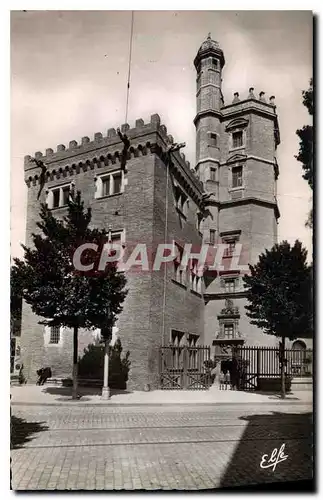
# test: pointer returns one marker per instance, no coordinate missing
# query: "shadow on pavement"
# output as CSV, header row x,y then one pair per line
x,y
262,435
66,392
22,431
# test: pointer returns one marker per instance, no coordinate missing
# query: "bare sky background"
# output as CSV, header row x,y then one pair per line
x,y
69,74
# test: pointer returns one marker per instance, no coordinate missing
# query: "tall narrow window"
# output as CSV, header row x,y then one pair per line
x,y
237,141
56,198
229,285
106,186
54,335
66,194
117,178
228,330
213,139
213,174
236,177
212,236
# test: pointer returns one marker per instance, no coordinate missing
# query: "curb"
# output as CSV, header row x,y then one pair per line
x,y
216,403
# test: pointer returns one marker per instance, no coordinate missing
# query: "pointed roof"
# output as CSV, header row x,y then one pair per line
x,y
209,47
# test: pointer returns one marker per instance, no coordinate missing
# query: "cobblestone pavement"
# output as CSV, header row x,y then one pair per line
x,y
174,447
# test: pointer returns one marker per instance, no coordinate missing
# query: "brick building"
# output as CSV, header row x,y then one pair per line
x,y
156,201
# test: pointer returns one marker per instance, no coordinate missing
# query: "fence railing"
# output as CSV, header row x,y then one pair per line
x,y
264,362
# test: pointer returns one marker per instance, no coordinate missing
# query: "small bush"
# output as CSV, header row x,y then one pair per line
x,y
91,365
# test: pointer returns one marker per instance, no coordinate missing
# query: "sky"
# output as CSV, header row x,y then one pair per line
x,y
69,75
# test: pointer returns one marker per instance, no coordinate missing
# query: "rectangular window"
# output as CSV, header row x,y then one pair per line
x,y
213,174
56,198
117,182
177,337
181,200
54,335
236,177
192,340
228,331
66,194
109,184
106,186
213,140
231,247
229,285
212,236
237,139
179,273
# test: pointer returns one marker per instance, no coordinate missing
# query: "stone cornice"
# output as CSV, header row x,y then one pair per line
x,y
244,201
223,295
207,112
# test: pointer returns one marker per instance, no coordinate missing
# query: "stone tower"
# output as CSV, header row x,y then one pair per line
x,y
208,62
236,162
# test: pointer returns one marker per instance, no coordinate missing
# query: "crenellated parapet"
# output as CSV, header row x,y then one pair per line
x,y
140,133
252,103
252,96
106,150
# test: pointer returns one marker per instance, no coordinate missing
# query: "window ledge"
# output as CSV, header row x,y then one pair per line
x,y
238,188
57,208
108,196
237,149
178,284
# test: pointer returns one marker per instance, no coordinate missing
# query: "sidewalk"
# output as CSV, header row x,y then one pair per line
x,y
54,395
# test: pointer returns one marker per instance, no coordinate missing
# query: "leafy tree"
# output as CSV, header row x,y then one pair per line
x,y
59,293
16,287
280,295
305,154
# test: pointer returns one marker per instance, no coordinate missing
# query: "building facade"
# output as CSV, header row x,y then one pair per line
x,y
229,197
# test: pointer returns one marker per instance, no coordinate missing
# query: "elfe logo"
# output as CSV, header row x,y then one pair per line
x,y
274,459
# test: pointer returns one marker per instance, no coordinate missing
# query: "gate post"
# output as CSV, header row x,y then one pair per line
x,y
185,367
258,366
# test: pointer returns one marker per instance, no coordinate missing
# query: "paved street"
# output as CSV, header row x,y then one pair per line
x,y
154,447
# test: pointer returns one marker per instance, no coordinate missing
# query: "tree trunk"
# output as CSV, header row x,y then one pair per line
x,y
282,368
75,362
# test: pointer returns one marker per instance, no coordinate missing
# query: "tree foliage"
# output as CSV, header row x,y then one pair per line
x,y
59,293
305,134
280,292
16,288
56,291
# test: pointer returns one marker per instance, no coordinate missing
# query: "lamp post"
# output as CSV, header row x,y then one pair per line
x,y
106,333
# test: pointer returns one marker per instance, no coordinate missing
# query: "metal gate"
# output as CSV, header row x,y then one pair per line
x,y
184,367
263,362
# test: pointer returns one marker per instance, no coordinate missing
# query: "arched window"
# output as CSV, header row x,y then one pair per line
x,y
298,357
299,345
